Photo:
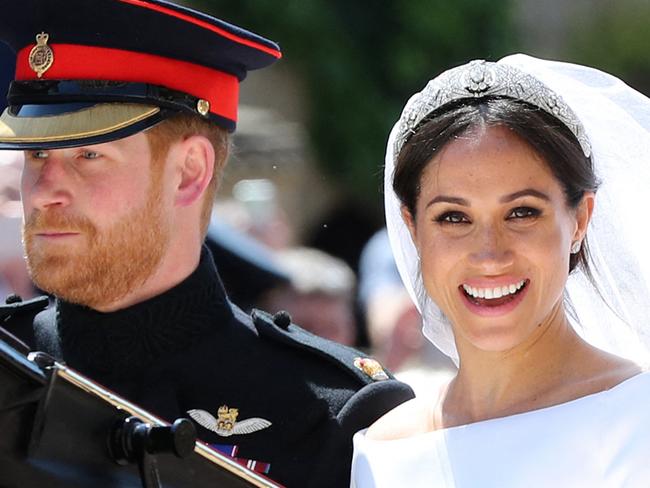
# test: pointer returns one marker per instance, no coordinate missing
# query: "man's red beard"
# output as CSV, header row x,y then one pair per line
x,y
106,265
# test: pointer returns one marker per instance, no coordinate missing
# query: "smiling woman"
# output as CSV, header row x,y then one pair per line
x,y
490,214
491,176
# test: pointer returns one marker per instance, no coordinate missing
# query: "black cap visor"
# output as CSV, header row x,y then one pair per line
x,y
69,113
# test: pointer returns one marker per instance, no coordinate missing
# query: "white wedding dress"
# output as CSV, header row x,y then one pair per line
x,y
598,441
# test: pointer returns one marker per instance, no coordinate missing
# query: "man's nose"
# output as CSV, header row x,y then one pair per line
x,y
491,250
47,186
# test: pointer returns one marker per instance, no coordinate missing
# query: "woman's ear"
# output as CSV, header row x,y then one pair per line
x,y
409,220
195,169
583,214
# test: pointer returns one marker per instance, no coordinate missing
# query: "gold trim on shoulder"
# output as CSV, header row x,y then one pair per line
x,y
371,367
41,57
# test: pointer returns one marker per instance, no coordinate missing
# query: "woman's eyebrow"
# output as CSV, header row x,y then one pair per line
x,y
448,199
525,193
505,199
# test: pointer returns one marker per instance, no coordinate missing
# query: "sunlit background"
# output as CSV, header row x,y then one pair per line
x,y
316,123
308,153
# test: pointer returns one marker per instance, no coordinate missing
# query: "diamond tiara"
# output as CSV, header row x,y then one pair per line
x,y
478,79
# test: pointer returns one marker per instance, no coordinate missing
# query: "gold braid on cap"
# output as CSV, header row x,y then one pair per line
x,y
478,79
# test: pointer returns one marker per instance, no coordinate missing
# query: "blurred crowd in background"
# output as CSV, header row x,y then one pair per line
x,y
298,224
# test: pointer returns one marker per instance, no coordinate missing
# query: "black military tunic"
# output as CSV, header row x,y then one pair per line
x,y
297,398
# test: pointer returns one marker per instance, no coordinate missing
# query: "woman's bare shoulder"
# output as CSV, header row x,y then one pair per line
x,y
417,415
609,370
408,419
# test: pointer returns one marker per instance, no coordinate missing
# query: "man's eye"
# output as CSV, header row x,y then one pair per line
x,y
39,154
90,155
523,213
452,218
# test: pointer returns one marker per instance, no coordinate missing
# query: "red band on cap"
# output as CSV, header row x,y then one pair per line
x,y
205,25
72,62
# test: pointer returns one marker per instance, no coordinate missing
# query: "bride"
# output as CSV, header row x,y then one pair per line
x,y
515,198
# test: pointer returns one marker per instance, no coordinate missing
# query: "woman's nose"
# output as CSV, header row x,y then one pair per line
x,y
491,249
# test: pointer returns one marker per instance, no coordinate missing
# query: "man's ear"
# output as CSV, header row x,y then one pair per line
x,y
409,221
583,215
195,169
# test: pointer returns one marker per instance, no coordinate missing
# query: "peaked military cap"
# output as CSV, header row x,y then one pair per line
x,y
93,71
7,65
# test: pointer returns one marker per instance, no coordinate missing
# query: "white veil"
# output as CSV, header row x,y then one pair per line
x,y
616,119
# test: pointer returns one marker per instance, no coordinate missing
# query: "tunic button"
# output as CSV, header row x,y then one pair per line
x,y
282,319
13,299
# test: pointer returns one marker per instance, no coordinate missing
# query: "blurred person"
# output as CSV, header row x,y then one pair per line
x,y
319,295
245,265
492,176
393,321
255,210
124,111
14,278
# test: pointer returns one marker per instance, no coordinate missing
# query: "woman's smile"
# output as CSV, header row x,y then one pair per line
x,y
490,301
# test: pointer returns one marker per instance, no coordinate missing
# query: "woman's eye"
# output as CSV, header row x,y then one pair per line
x,y
452,218
523,213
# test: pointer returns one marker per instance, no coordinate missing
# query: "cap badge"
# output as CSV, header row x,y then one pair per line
x,y
371,367
226,423
41,57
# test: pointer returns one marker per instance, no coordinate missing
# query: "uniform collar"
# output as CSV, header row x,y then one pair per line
x,y
118,342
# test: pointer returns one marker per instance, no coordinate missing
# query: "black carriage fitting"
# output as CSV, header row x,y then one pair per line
x,y
134,441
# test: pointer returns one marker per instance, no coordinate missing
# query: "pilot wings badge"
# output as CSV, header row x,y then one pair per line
x,y
226,423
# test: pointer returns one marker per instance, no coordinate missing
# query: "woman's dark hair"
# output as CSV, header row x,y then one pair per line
x,y
549,137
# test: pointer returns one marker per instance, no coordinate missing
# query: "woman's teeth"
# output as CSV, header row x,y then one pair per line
x,y
497,292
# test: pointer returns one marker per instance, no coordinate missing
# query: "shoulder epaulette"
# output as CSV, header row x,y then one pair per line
x,y
15,305
278,327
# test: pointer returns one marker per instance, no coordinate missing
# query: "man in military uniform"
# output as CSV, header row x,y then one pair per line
x,y
123,109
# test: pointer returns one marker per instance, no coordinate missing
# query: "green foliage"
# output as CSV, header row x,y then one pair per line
x,y
362,59
615,39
